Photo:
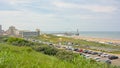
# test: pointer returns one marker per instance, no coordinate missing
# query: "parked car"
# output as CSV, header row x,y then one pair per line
x,y
58,46
80,50
90,52
108,61
85,51
104,55
87,56
82,54
94,53
100,53
76,49
96,58
70,48
111,57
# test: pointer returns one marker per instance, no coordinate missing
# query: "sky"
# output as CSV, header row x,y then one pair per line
x,y
61,15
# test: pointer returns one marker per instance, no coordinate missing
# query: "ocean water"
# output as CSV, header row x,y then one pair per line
x,y
109,35
96,34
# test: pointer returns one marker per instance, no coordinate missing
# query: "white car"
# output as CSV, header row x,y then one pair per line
x,y
87,56
96,58
104,55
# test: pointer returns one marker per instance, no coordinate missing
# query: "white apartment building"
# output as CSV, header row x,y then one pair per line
x,y
26,34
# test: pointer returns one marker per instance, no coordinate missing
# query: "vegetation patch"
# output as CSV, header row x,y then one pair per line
x,y
41,56
46,49
18,41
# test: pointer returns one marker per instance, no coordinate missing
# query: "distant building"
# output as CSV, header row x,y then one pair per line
x,y
27,34
0,27
12,31
68,34
1,31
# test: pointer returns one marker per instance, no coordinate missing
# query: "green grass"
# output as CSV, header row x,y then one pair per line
x,y
24,57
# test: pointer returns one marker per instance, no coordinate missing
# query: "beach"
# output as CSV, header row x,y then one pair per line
x,y
100,40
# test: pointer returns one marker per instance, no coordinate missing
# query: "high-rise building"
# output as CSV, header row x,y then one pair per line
x,y
0,29
12,31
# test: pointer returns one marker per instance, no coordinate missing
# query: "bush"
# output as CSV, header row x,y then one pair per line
x,y
51,51
3,39
46,50
18,41
65,55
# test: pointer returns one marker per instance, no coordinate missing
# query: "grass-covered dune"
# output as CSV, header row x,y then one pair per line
x,y
24,57
20,53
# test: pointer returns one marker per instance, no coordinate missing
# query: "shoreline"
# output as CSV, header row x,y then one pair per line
x,y
100,40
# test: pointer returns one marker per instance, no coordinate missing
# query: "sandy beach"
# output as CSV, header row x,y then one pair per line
x,y
100,40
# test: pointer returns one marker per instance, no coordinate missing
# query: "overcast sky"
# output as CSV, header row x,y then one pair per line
x,y
61,15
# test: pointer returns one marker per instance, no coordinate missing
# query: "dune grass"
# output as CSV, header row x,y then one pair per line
x,y
25,57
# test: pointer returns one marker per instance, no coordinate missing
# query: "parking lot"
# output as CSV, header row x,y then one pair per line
x,y
89,54
108,58
102,59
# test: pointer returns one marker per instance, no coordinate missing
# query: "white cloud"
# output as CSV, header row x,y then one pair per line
x,y
25,19
109,1
86,17
97,8
10,13
29,14
13,2
94,8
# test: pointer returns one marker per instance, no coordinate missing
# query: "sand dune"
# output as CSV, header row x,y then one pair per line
x,y
101,40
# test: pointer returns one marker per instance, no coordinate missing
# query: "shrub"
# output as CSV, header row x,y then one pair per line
x,y
46,50
65,55
3,39
18,41
51,51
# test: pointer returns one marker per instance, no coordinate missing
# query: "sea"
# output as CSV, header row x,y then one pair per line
x,y
95,34
108,35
